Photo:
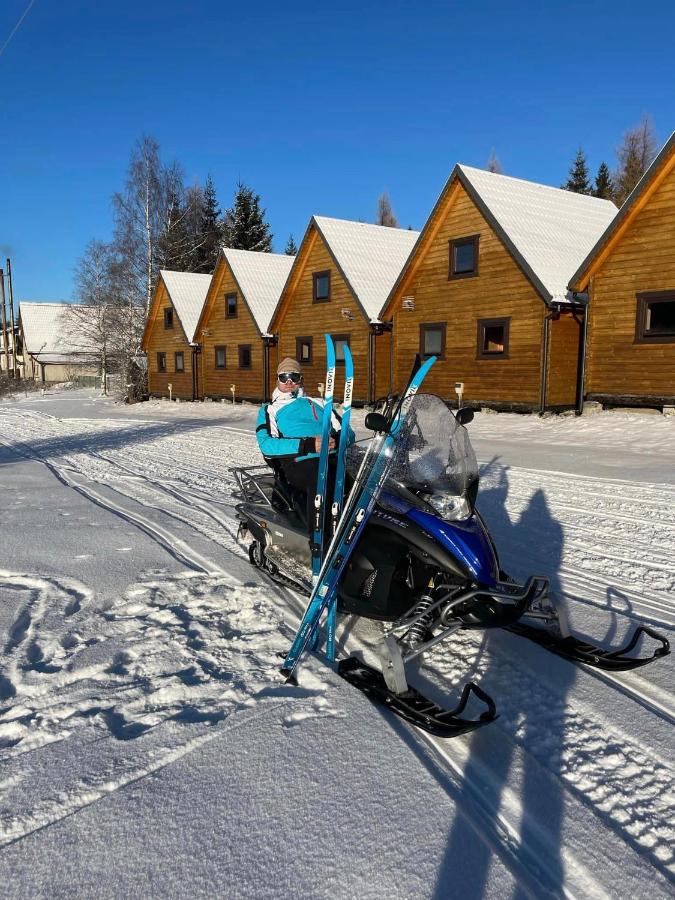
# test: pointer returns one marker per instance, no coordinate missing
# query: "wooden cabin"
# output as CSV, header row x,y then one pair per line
x,y
629,280
53,351
485,290
340,279
169,336
237,348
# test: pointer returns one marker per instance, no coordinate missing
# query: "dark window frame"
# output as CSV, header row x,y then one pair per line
x,y
168,317
176,354
325,273
299,341
433,326
482,324
161,361
341,337
231,296
644,300
248,347
218,347
461,242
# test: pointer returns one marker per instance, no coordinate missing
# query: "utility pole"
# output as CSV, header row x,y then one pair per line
x,y
11,310
5,341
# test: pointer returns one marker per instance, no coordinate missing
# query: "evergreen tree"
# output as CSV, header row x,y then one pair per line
x,y
635,155
385,214
604,187
211,229
245,227
291,247
578,181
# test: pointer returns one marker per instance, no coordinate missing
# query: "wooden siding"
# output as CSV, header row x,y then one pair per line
x,y
499,290
229,333
642,260
167,340
563,361
382,366
299,316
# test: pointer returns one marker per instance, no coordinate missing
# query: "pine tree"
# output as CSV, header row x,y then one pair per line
x,y
385,214
211,229
604,187
634,155
245,227
493,164
578,181
291,247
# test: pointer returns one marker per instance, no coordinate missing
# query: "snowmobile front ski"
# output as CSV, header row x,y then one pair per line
x,y
322,474
575,649
413,706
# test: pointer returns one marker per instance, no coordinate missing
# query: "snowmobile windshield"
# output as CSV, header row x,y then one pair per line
x,y
433,465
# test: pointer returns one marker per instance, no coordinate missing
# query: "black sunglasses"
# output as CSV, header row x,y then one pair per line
x,y
295,377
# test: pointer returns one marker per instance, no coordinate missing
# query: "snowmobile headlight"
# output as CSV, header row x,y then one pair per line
x,y
449,506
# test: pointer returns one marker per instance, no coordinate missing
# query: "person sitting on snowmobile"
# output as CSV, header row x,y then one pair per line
x,y
289,434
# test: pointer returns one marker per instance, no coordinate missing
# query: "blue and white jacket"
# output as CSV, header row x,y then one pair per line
x,y
287,426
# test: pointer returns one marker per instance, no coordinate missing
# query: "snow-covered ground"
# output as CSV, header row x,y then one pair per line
x,y
148,746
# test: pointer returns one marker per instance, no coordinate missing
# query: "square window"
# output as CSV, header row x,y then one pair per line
x,y
340,341
493,338
655,322
303,350
168,317
464,257
161,362
231,306
245,360
432,340
179,359
321,286
221,359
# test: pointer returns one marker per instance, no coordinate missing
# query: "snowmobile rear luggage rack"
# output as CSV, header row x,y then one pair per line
x,y
583,652
249,488
413,706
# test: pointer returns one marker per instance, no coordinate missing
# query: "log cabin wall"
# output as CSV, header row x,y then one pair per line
x,y
499,290
382,365
300,316
168,341
619,367
217,329
563,361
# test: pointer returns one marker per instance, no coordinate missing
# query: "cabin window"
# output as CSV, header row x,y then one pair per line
x,y
655,322
179,360
161,362
221,359
493,338
432,340
321,289
303,350
231,306
244,356
340,341
168,317
464,257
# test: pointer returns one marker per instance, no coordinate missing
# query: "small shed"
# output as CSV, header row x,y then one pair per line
x,y
53,351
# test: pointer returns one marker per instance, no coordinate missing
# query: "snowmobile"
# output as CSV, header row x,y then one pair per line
x,y
425,564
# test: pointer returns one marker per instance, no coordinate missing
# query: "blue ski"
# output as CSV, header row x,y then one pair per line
x,y
339,492
360,504
322,475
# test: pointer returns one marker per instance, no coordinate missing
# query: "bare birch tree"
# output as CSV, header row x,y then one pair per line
x,y
493,163
385,214
634,156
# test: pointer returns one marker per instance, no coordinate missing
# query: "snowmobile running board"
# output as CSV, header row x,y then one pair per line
x,y
582,652
413,706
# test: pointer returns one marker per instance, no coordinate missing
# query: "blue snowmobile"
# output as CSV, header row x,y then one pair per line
x,y
425,563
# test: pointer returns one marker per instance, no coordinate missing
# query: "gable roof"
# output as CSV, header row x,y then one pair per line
x,y
48,334
187,292
547,230
261,278
630,207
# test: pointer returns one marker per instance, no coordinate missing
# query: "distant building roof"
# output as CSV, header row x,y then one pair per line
x,y
187,292
261,277
370,257
49,334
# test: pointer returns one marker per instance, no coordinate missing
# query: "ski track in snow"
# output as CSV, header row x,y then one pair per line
x,y
183,652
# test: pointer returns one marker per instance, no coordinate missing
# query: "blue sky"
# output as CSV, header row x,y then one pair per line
x,y
319,107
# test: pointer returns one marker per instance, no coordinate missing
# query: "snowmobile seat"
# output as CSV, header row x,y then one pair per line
x,y
285,497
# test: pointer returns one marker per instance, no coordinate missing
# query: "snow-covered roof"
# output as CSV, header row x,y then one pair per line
x,y
49,334
550,230
261,277
187,292
370,256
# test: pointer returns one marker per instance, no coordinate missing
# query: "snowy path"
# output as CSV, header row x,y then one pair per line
x,y
109,674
